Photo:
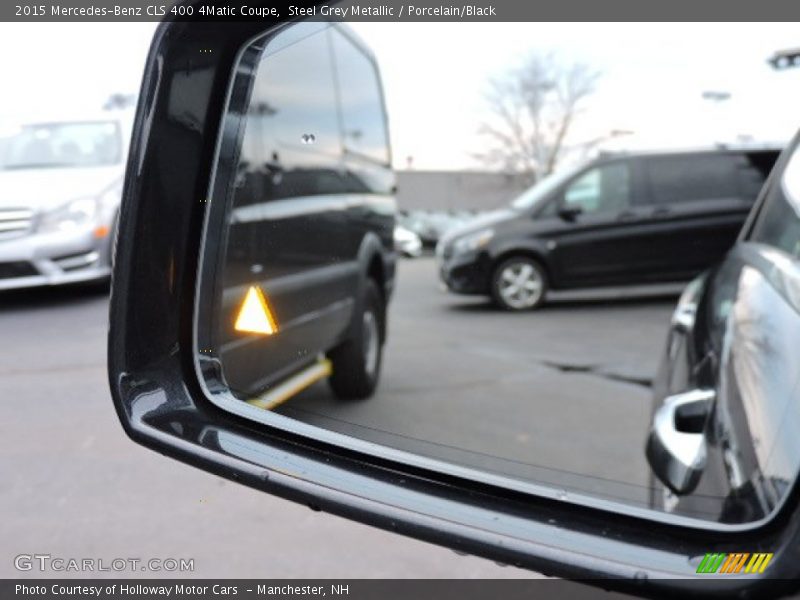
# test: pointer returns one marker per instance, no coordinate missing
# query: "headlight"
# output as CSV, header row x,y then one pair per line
x,y
686,311
69,216
473,241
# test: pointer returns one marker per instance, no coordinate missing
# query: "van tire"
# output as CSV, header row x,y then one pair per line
x,y
529,273
356,362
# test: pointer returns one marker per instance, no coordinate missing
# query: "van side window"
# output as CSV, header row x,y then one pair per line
x,y
363,118
778,223
293,98
602,189
692,177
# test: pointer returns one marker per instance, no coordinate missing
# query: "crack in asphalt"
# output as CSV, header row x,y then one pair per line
x,y
597,371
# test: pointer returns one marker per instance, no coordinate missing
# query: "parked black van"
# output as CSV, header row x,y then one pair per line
x,y
306,209
627,219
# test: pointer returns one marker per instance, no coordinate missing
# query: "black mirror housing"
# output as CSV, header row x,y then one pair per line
x,y
161,405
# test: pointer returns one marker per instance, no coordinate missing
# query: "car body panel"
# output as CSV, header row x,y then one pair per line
x,y
742,344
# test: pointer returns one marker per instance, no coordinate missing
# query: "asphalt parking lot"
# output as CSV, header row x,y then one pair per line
x,y
558,396
457,372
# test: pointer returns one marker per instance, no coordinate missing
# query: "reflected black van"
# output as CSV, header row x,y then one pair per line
x,y
628,219
307,208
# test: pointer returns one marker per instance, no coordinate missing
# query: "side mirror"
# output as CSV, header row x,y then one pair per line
x,y
676,446
569,213
245,324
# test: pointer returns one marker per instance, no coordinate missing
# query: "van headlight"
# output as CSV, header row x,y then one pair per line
x,y
70,216
473,242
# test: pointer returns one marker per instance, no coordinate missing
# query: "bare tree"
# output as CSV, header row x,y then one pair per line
x,y
533,108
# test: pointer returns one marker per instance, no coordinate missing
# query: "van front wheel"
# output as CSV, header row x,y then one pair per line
x,y
519,283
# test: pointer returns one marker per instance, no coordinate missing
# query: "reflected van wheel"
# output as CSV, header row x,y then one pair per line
x,y
357,361
519,283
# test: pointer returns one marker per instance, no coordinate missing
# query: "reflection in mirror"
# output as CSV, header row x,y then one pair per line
x,y
599,338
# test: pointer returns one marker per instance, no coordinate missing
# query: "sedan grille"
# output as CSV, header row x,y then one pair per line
x,y
12,270
15,222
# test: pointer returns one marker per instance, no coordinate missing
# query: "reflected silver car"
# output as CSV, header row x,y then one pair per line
x,y
60,188
406,242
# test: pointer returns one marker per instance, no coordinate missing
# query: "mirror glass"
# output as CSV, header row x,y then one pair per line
x,y
386,265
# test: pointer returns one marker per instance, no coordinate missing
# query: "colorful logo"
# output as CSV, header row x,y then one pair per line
x,y
732,563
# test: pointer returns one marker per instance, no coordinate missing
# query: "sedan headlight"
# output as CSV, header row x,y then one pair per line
x,y
473,241
70,216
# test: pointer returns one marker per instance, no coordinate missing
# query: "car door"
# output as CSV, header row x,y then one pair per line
x,y
595,239
698,204
747,327
757,416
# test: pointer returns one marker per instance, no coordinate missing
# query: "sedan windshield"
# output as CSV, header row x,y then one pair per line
x,y
51,145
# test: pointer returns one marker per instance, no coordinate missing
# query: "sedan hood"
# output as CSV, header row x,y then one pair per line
x,y
44,189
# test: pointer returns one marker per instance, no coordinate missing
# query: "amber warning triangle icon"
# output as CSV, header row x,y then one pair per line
x,y
255,315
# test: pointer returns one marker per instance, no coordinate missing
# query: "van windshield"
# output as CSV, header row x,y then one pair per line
x,y
542,189
68,144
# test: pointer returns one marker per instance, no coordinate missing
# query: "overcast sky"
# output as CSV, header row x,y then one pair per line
x,y
435,77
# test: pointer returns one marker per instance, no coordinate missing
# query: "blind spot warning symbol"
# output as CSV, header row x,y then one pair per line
x,y
255,315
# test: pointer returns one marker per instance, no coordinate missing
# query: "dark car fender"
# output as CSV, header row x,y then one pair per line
x,y
533,247
375,262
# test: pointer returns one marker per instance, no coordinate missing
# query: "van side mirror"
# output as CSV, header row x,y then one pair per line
x,y
569,213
